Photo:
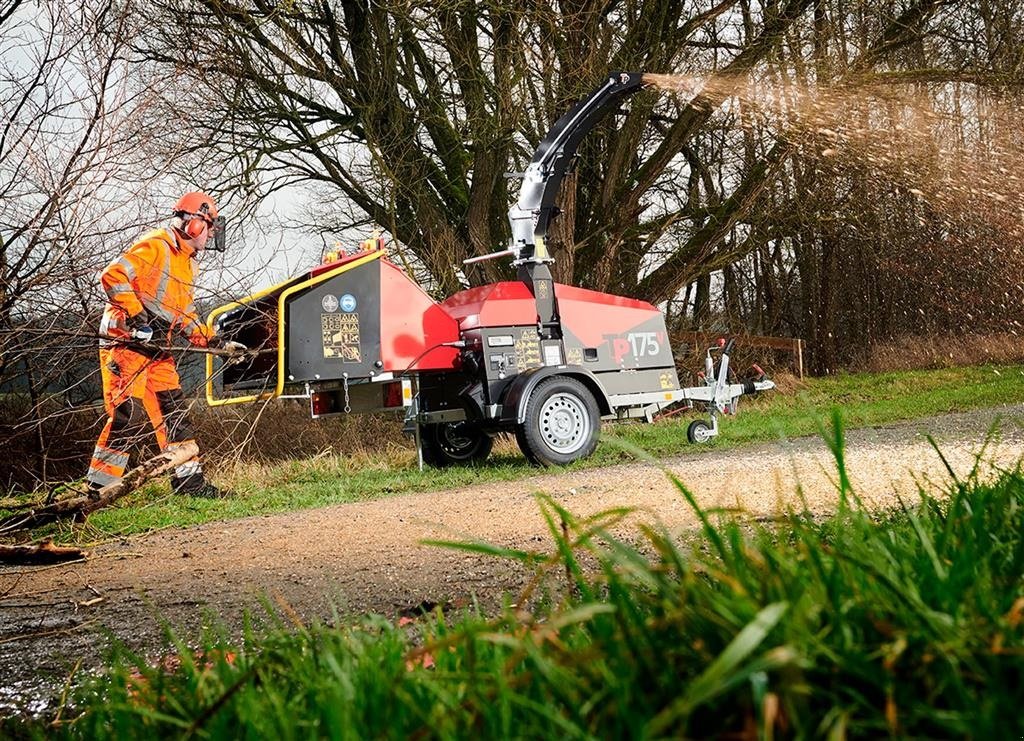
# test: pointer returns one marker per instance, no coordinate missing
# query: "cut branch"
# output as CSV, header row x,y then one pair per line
x,y
44,552
79,507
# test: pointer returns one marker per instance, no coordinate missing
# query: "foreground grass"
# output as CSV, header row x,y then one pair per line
x,y
907,624
866,399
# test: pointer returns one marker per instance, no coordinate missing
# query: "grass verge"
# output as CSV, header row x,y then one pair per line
x,y
907,623
867,399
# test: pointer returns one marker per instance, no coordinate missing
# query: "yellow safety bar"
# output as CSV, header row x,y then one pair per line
x,y
285,294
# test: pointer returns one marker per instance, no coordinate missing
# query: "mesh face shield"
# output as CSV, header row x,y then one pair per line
x,y
218,232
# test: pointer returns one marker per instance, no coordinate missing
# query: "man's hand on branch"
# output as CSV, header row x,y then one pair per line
x,y
143,333
139,327
219,343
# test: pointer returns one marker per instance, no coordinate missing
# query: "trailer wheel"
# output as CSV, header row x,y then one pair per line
x,y
450,443
698,432
562,423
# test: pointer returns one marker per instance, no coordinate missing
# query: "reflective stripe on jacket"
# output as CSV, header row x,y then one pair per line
x,y
155,274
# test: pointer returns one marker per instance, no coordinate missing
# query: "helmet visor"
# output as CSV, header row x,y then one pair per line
x,y
218,231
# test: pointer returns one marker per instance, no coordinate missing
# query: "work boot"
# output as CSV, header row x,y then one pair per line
x,y
209,491
196,485
188,485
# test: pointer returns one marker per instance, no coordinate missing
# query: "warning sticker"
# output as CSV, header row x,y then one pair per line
x,y
527,349
341,337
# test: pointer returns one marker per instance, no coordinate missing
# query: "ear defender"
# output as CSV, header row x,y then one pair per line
x,y
189,225
194,227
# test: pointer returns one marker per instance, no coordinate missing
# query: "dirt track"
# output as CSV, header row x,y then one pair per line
x,y
367,556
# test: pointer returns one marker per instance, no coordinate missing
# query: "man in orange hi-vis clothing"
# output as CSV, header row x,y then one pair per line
x,y
150,300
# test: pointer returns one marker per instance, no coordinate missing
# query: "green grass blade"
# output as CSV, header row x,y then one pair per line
x,y
713,679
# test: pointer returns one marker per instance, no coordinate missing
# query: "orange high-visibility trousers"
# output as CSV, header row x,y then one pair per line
x,y
141,395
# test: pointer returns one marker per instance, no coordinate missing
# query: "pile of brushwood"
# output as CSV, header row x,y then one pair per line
x,y
906,623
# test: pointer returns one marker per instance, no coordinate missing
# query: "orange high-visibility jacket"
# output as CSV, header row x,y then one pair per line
x,y
155,274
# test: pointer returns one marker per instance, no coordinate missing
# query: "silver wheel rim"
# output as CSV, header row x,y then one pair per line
x,y
701,433
564,423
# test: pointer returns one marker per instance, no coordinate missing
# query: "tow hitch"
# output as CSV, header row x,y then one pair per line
x,y
718,395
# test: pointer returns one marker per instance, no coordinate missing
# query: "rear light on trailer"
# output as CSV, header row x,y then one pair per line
x,y
397,394
392,394
321,403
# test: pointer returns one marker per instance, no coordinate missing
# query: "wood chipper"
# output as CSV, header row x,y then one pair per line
x,y
544,361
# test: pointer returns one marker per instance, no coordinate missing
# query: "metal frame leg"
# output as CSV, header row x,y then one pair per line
x,y
416,429
419,446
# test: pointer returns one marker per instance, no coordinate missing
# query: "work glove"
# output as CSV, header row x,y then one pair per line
x,y
144,328
143,333
219,343
237,350
139,327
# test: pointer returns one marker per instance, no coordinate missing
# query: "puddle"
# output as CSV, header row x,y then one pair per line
x,y
27,698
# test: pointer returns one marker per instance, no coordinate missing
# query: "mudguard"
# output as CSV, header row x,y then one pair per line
x,y
513,403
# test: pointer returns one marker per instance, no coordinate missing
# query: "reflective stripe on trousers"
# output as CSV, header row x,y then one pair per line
x,y
142,397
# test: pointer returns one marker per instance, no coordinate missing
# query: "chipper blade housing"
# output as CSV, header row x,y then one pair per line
x,y
352,321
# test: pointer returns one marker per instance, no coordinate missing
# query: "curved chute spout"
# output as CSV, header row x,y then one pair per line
x,y
531,216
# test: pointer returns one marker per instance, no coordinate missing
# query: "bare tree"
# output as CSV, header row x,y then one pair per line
x,y
407,114
76,181
895,211
412,112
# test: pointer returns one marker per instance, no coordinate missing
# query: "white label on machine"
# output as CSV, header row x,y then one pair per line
x,y
552,355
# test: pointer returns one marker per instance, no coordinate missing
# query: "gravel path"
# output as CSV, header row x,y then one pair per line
x,y
367,556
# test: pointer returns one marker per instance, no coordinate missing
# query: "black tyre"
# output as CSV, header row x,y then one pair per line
x,y
698,432
450,443
562,423
525,447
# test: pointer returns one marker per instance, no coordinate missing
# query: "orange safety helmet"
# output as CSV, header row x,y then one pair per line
x,y
195,211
